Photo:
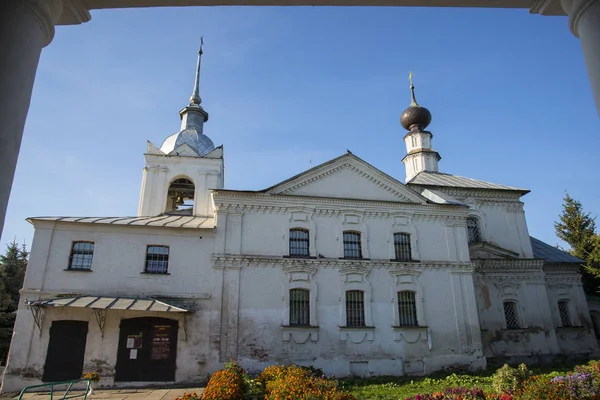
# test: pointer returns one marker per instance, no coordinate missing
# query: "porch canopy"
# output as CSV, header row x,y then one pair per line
x,y
109,303
101,304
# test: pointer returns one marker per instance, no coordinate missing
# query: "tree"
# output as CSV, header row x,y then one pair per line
x,y
578,229
12,272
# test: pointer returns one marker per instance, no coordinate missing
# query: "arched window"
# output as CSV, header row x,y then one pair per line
x,y
352,245
565,314
299,242
402,246
180,197
511,315
473,230
299,307
407,308
355,308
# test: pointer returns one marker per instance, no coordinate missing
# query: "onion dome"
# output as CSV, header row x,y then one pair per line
x,y
415,115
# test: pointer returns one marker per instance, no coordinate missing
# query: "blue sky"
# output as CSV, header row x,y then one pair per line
x,y
508,91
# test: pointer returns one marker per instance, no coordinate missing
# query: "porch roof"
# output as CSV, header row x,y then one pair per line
x,y
109,303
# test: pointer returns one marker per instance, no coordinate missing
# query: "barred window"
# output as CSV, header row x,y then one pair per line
x,y
473,230
565,315
511,315
355,308
81,255
402,246
299,307
407,308
352,245
157,260
299,242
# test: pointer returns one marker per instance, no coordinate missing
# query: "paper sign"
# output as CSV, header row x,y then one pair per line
x,y
130,343
133,354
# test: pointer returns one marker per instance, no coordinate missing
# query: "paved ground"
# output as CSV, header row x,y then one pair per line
x,y
114,394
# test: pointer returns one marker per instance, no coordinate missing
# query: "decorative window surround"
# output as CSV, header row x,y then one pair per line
x,y
354,277
300,276
353,221
403,223
301,218
406,279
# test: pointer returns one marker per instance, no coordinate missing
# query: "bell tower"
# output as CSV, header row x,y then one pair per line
x,y
419,154
178,176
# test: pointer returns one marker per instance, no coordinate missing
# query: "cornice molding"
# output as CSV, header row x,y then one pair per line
x,y
499,265
262,202
228,261
479,194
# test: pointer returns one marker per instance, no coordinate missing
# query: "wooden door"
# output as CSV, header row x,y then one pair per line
x,y
66,351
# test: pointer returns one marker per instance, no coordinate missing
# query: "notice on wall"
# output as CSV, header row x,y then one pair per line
x,y
161,342
134,341
133,354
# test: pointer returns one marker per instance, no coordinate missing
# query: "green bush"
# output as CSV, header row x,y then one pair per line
x,y
508,379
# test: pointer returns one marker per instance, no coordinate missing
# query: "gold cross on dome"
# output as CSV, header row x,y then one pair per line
x,y
410,78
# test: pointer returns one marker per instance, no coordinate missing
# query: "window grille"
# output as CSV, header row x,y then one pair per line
x,y
473,230
157,260
81,255
402,246
511,315
299,243
355,308
407,309
563,310
352,245
299,307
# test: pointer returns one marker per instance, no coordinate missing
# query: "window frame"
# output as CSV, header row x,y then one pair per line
x,y
567,310
516,317
402,313
303,240
477,221
146,270
358,244
304,305
408,243
361,320
70,264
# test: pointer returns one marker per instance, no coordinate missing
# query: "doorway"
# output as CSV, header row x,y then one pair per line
x,y
66,351
147,350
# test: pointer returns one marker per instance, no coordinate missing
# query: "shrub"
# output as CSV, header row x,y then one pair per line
x,y
508,379
92,376
224,384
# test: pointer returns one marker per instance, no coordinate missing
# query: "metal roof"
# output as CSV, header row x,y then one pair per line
x,y
429,178
551,254
168,221
108,303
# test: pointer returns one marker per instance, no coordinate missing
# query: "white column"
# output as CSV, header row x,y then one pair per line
x,y
584,21
26,26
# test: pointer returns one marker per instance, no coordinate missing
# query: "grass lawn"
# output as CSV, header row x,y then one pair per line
x,y
398,388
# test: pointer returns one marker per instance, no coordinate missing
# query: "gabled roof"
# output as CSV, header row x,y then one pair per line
x,y
429,178
305,183
167,221
551,254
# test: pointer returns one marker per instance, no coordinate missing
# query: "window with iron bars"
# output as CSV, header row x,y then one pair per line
x,y
407,308
473,230
299,307
565,315
355,308
511,315
299,242
82,254
402,246
352,245
157,260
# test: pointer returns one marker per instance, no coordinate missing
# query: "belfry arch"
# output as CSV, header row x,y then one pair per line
x,y
27,26
180,196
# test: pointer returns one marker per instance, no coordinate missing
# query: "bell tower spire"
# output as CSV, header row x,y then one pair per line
x,y
419,155
193,115
195,97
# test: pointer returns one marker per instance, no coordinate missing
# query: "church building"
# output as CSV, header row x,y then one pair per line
x,y
342,267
